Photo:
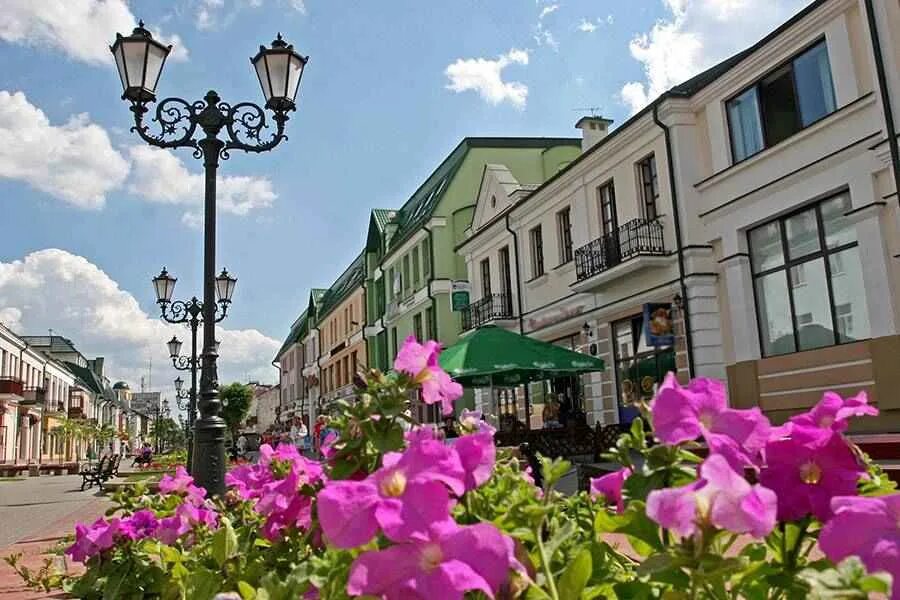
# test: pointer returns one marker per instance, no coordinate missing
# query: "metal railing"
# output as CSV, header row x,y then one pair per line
x,y
638,237
489,308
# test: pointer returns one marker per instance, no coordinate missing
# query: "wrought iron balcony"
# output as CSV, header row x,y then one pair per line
x,y
638,237
11,385
76,412
489,308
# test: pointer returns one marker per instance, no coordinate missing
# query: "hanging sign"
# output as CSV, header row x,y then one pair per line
x,y
459,294
658,327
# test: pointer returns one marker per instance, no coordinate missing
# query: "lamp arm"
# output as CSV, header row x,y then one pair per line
x,y
175,116
175,312
245,122
182,363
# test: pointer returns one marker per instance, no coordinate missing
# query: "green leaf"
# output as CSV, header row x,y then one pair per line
x,y
576,576
643,534
655,564
224,542
247,591
848,581
562,534
536,593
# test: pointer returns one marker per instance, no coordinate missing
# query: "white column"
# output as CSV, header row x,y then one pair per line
x,y
706,326
741,307
873,256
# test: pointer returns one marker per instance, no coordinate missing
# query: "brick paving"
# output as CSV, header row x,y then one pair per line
x,y
34,518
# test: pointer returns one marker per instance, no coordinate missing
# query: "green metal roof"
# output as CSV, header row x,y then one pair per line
x,y
343,286
383,216
298,330
420,206
86,377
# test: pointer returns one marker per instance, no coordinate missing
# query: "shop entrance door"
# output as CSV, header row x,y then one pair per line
x,y
639,368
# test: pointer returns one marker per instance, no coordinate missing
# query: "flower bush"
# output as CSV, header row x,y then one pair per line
x,y
396,512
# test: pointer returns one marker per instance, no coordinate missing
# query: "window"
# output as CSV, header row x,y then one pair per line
x,y
406,278
608,218
391,292
792,97
417,326
537,252
429,323
564,235
808,280
346,320
352,316
337,380
347,375
415,267
426,258
649,183
393,343
354,363
505,279
485,278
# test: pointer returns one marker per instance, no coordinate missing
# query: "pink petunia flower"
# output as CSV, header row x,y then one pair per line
x,y
182,484
808,469
274,485
720,497
171,529
868,528
140,525
681,414
404,497
610,486
449,562
477,454
834,412
94,539
420,361
472,421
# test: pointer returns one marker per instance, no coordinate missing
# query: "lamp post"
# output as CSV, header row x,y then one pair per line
x,y
189,363
140,59
162,409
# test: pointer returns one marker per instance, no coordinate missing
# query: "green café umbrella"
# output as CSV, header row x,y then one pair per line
x,y
492,356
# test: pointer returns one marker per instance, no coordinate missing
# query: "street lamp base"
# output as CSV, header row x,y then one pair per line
x,y
208,461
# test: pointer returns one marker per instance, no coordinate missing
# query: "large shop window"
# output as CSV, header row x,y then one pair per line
x,y
794,96
808,280
640,368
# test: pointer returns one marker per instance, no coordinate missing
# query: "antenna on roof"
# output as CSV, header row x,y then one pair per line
x,y
592,109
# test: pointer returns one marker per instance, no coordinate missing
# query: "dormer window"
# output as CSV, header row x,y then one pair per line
x,y
785,101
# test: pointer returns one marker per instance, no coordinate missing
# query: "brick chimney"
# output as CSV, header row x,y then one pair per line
x,y
593,130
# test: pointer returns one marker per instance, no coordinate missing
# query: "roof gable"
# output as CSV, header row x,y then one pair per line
x,y
342,287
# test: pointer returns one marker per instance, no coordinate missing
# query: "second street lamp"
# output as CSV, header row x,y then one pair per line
x,y
191,313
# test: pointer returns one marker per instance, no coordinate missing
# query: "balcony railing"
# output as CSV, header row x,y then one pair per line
x,y
489,308
76,412
11,385
34,395
638,237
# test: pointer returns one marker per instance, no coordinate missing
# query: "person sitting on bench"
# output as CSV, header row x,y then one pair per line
x,y
144,458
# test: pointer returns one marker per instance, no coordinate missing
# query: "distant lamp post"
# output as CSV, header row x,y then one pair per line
x,y
198,126
191,313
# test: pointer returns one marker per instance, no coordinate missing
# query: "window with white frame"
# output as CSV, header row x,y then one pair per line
x,y
564,235
536,243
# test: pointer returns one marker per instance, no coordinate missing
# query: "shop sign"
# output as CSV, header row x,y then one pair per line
x,y
459,294
658,327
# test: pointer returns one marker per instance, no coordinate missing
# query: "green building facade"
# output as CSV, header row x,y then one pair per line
x,y
411,265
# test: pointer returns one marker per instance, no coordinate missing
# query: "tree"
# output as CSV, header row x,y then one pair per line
x,y
169,432
236,399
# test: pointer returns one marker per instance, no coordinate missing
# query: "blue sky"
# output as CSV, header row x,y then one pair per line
x,y
390,88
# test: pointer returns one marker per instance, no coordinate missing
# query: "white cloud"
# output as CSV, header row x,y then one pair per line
x,y
586,26
82,29
698,34
547,10
56,289
484,76
74,162
161,176
609,19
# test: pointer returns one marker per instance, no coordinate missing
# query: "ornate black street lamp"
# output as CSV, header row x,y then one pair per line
x,y
191,313
140,60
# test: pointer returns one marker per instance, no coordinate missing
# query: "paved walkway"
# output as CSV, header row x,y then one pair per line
x,y
36,513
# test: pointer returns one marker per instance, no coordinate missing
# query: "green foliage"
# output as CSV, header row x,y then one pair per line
x,y
236,399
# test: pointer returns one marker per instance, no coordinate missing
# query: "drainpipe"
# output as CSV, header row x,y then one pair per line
x,y
434,316
515,238
885,95
685,310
